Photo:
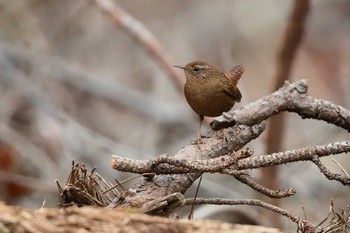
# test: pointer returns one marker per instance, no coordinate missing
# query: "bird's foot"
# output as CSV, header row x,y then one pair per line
x,y
199,140
224,135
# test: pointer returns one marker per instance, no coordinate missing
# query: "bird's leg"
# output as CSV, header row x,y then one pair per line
x,y
199,134
224,135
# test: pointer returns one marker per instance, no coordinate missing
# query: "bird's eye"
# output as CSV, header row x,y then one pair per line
x,y
196,68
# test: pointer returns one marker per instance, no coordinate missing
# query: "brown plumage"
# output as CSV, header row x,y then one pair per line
x,y
209,91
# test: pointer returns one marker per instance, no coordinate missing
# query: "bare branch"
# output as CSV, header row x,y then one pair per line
x,y
162,185
137,30
252,202
171,165
261,189
168,165
80,79
330,175
341,167
212,147
304,154
292,98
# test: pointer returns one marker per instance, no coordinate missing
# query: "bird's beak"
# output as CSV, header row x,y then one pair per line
x,y
180,66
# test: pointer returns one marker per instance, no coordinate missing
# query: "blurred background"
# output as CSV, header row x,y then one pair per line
x,y
73,86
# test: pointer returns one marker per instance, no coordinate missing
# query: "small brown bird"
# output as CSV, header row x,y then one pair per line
x,y
209,91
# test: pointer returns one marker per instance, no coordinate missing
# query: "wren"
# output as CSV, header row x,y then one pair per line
x,y
209,90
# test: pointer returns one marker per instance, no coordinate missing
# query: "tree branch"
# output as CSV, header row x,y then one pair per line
x,y
137,30
166,165
304,154
302,224
165,184
261,189
292,98
345,180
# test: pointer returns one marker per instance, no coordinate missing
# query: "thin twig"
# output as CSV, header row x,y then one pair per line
x,y
341,167
119,184
330,175
190,216
252,202
261,189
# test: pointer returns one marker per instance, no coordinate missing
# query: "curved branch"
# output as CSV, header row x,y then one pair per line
x,y
252,202
261,189
137,30
345,180
292,98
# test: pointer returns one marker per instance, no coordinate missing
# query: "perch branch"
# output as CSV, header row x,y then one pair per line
x,y
166,183
292,98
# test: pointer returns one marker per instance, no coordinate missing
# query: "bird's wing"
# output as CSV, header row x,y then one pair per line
x,y
233,92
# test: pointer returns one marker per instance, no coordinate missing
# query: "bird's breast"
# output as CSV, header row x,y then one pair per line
x,y
207,99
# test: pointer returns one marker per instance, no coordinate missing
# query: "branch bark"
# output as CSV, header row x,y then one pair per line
x,y
305,154
165,184
292,98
